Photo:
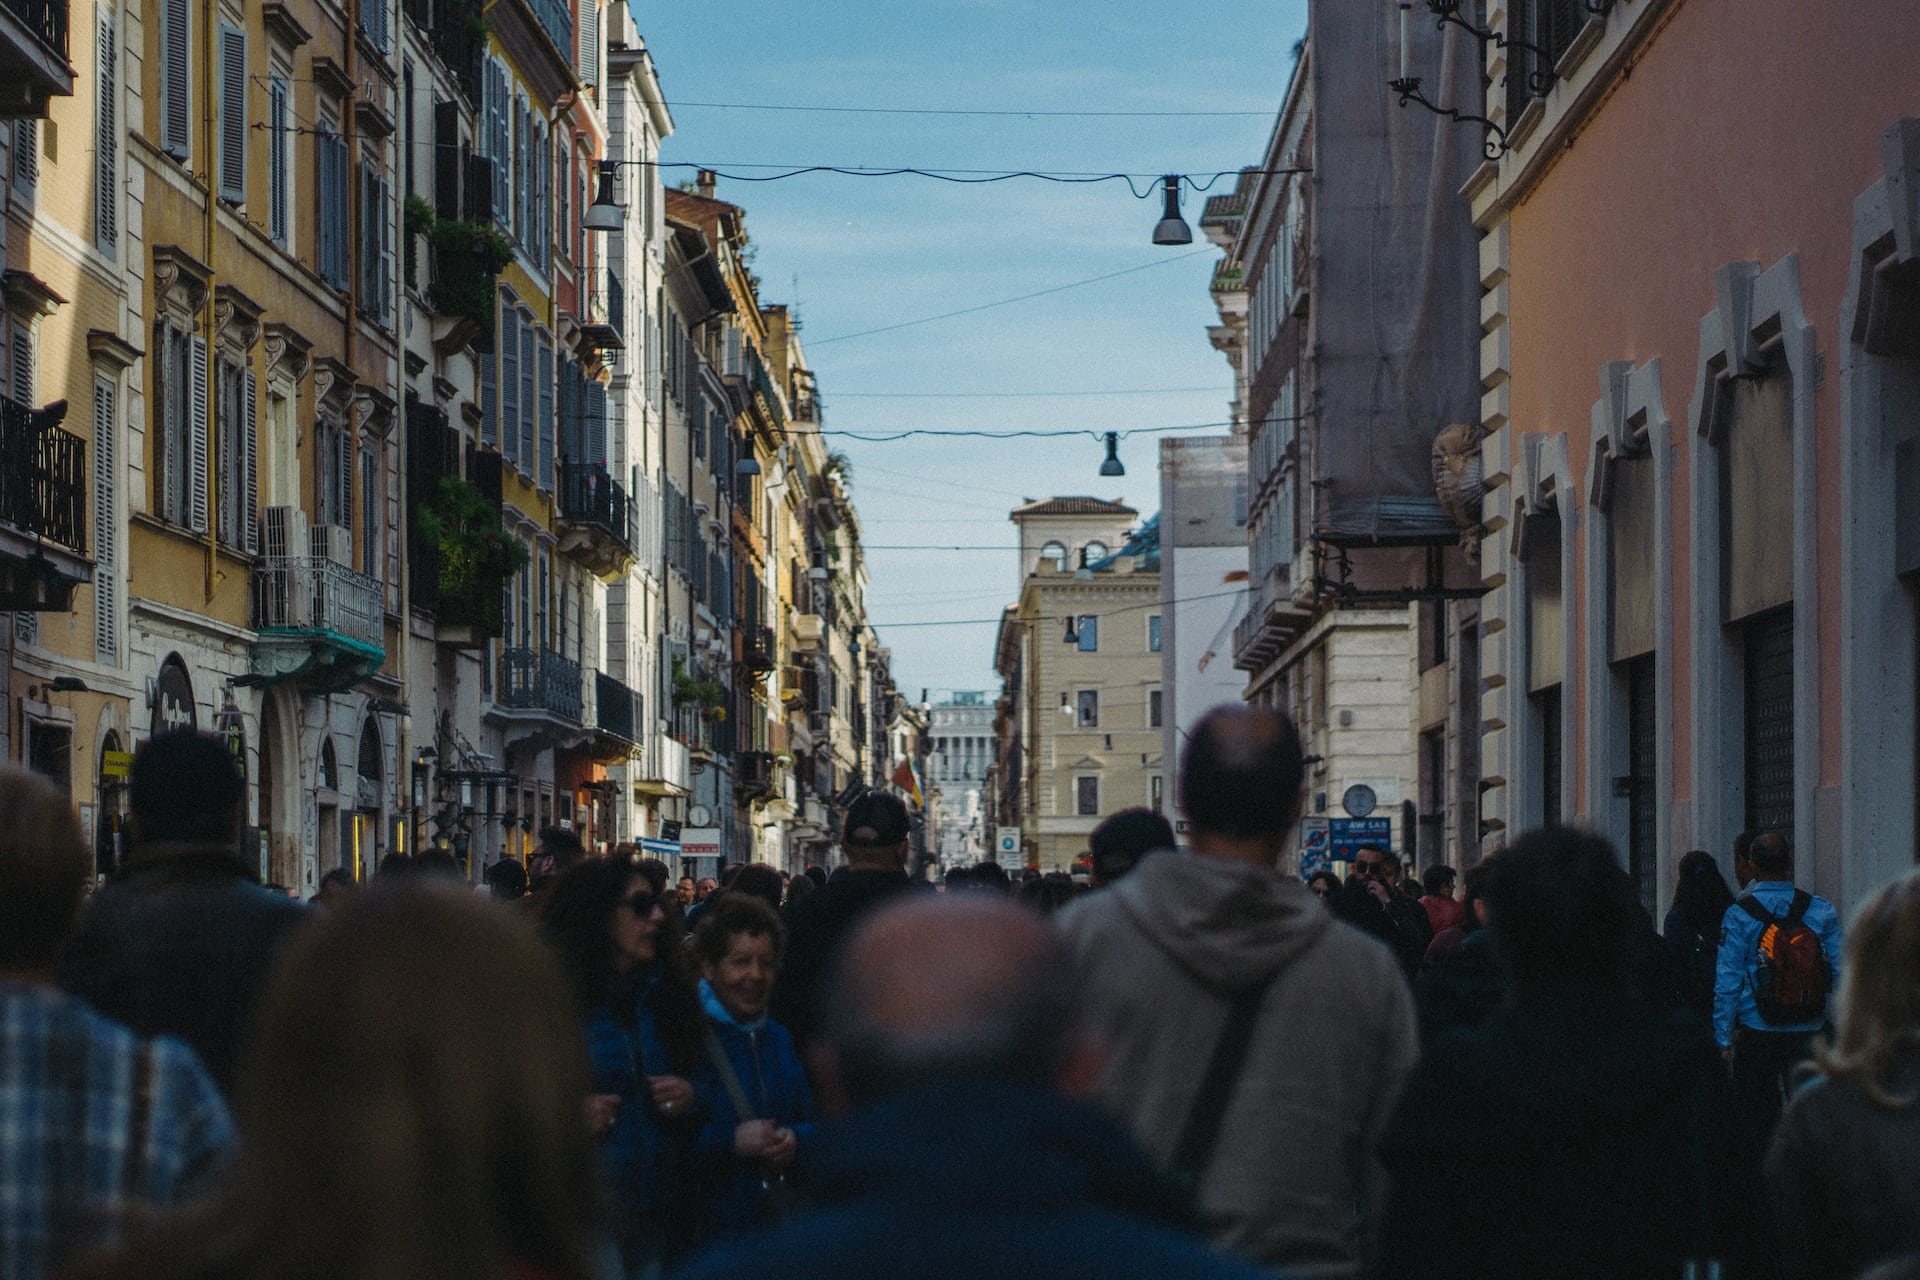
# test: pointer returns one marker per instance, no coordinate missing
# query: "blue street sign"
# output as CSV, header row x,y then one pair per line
x,y
1348,834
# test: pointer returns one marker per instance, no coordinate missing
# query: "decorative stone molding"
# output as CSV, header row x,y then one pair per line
x,y
236,322
180,284
27,294
109,351
373,414
288,354
333,386
282,26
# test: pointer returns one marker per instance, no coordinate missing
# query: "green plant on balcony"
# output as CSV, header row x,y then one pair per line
x,y
689,692
468,258
477,555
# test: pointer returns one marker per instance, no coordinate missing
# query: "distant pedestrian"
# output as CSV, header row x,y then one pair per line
x,y
1256,1043
956,1045
876,840
1372,902
96,1124
558,849
684,890
1324,884
507,880
1571,1134
1048,893
1845,1164
1121,841
428,1128
1462,980
1778,962
642,1031
1692,934
758,880
1443,910
180,939
335,888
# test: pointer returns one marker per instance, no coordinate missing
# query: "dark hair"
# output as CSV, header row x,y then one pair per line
x,y
339,875
1242,773
185,786
1121,841
816,873
43,864
1047,893
576,917
877,820
759,881
507,879
438,862
799,887
1700,892
1333,881
1771,854
1438,879
564,845
1563,911
735,913
656,872
991,875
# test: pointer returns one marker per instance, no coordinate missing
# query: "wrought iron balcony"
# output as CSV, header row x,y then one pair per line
x,y
617,715
319,622
33,56
540,680
599,523
759,653
43,475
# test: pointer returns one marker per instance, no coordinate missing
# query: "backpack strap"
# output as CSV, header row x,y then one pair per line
x,y
1208,1110
1797,910
729,1080
1753,908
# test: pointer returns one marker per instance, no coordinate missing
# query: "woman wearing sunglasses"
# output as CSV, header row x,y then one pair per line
x,y
643,1029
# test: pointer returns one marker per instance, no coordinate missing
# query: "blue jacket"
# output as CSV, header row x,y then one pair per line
x,y
973,1180
770,1074
1739,957
639,1157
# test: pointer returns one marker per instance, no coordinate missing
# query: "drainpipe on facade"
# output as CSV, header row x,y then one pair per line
x,y
211,192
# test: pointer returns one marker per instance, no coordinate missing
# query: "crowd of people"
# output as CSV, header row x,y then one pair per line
x,y
1194,1064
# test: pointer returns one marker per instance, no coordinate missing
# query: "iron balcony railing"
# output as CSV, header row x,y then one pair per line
x,y
590,495
43,477
759,653
310,593
540,679
616,707
46,18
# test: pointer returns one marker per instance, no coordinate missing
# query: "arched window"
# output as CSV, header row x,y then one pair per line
x,y
1055,554
1093,553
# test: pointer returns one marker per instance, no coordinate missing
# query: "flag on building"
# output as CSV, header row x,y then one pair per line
x,y
905,778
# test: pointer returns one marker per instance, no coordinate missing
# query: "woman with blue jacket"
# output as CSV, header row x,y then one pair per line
x,y
642,1026
758,1111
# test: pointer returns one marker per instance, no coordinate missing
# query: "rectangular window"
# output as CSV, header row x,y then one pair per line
x,y
1153,633
376,243
1086,797
330,188
334,497
1153,708
370,511
510,384
1546,708
1088,630
1088,703
529,404
1643,828
233,114
544,437
239,419
106,142
279,159
1767,642
1155,799
26,156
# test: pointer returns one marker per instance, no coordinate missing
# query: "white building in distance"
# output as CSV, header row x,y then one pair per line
x,y
961,733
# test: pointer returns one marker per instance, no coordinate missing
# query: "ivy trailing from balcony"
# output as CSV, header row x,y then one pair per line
x,y
476,555
688,691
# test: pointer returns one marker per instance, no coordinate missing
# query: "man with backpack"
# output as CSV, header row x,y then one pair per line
x,y
1778,963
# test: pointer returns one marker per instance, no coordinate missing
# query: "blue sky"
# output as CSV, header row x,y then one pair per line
x,y
856,254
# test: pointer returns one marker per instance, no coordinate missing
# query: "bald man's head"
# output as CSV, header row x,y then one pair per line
x,y
1241,774
962,986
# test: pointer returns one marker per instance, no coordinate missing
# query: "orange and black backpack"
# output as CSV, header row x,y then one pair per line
x,y
1792,979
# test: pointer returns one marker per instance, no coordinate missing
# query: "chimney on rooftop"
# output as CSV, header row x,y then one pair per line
x,y
705,182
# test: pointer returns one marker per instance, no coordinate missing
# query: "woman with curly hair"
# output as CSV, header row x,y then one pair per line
x,y
642,1025
410,1096
1845,1164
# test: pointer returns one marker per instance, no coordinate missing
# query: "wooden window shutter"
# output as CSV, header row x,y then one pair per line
x,y
197,440
386,250
26,153
106,144
529,405
106,524
233,114
510,383
279,123
20,368
545,425
589,44
446,159
176,80
596,422
489,398
250,484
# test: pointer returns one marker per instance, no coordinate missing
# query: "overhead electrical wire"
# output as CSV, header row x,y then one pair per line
x,y
981,622
1016,395
968,111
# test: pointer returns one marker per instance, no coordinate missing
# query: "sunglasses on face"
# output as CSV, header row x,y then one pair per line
x,y
1370,868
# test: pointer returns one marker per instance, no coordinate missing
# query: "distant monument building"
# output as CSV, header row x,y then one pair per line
x,y
963,744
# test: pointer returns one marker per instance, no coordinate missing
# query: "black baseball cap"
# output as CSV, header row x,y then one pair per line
x,y
877,818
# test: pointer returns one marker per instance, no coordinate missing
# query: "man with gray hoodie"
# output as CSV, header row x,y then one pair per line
x,y
1255,1043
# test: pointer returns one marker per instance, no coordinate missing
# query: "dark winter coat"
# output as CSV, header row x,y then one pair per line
x,y
816,926
1460,985
1400,922
1578,1135
1845,1177
641,1157
730,1190
178,943
1694,952
977,1180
